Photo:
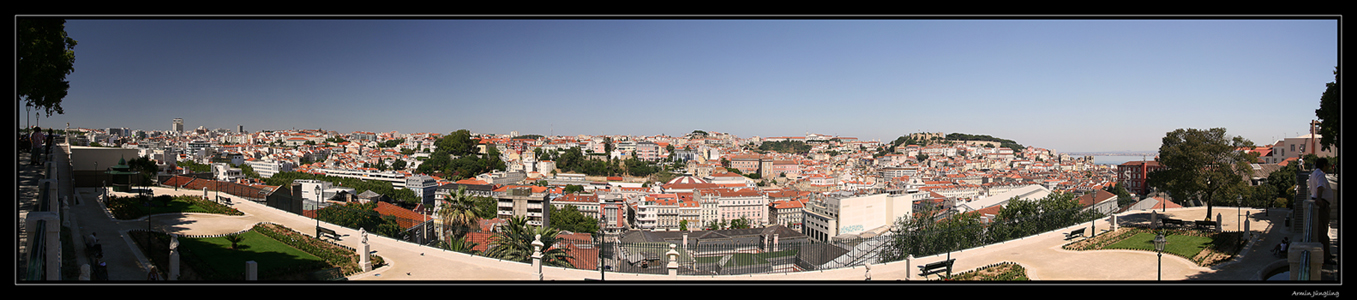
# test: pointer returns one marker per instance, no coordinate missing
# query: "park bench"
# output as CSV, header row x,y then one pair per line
x,y
225,200
1175,222
937,267
1076,232
1206,225
326,232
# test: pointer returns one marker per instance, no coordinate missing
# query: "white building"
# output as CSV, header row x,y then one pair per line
x,y
1030,192
266,169
846,216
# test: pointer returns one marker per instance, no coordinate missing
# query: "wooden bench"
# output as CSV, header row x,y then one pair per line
x,y
225,200
1175,222
1076,232
326,232
1206,225
937,267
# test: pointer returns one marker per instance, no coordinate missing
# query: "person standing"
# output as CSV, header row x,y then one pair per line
x,y
36,139
1322,194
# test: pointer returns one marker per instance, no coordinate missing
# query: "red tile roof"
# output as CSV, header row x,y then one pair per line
x,y
404,217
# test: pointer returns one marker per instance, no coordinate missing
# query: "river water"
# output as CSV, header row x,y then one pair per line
x,y
1117,160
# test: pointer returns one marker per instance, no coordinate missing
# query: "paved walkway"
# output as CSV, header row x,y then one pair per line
x,y
1041,255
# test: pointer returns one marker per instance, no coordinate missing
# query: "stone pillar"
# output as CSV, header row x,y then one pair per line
x,y
53,240
1247,233
673,262
251,271
366,257
205,193
1113,220
537,256
174,258
1316,259
1154,220
909,273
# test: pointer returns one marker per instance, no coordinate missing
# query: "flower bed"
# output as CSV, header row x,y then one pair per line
x,y
338,256
1005,271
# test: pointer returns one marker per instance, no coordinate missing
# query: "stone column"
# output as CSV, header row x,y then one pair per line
x,y
1113,221
1154,220
251,271
1316,259
537,256
673,262
909,271
365,257
174,258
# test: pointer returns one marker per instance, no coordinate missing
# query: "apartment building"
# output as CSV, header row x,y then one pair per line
x,y
524,201
1134,173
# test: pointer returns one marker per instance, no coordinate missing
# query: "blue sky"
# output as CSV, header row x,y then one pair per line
x,y
1067,85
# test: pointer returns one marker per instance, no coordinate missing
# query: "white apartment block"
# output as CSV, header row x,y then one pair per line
x,y
266,169
846,216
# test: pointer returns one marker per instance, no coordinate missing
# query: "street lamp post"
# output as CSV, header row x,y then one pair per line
x,y
1159,242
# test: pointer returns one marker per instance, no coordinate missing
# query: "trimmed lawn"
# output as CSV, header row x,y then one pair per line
x,y
1181,245
271,256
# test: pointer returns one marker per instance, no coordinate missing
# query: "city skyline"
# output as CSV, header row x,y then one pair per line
x,y
1067,85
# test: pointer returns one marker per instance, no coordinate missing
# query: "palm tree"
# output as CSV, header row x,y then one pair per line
x,y
461,244
234,239
459,213
514,243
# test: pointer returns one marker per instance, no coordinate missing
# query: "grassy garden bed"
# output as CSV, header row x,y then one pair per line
x,y
1205,248
127,208
1005,271
281,254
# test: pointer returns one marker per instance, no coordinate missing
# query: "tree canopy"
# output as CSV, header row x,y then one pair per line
x,y
794,147
1329,114
45,55
469,161
1203,164
569,218
360,215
